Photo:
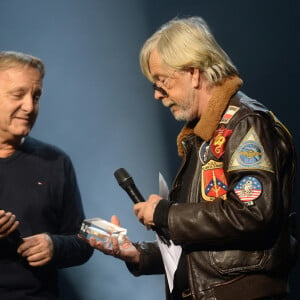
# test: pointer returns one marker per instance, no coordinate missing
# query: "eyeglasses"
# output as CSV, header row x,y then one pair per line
x,y
161,85
159,89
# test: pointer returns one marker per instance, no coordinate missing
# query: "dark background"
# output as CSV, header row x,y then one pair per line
x,y
99,108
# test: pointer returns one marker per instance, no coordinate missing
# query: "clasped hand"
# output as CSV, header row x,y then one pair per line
x,y
8,223
37,249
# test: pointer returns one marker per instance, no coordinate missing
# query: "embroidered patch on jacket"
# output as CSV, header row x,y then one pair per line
x,y
203,152
219,140
248,189
250,154
229,113
213,183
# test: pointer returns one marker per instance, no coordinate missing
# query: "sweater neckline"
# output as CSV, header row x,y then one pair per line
x,y
14,156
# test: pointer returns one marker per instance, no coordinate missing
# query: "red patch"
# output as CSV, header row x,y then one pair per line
x,y
219,140
214,183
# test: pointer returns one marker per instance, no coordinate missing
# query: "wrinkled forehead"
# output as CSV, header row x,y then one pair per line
x,y
20,68
12,62
21,78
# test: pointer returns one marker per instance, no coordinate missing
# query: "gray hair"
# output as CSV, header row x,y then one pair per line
x,y
188,43
10,59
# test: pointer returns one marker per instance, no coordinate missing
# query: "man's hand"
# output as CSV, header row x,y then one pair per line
x,y
37,249
126,251
145,210
8,223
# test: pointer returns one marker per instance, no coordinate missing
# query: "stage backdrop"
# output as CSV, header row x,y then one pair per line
x,y
99,108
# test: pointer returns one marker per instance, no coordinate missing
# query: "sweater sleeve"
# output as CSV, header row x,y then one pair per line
x,y
69,249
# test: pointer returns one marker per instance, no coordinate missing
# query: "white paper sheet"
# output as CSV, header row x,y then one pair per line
x,y
170,254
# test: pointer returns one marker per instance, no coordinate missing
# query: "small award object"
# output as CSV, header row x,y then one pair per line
x,y
102,231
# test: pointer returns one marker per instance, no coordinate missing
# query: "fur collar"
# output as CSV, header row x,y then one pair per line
x,y
207,125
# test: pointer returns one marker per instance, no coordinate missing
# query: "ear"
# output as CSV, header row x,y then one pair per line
x,y
195,73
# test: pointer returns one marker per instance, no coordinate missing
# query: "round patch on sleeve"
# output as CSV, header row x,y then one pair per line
x,y
203,152
248,189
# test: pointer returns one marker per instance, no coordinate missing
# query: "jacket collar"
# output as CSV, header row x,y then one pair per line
x,y
207,125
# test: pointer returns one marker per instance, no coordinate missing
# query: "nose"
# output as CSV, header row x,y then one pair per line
x,y
28,103
158,95
159,92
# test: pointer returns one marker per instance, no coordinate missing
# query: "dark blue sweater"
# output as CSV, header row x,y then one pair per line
x,y
38,184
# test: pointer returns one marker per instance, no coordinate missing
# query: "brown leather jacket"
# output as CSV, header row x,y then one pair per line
x,y
234,226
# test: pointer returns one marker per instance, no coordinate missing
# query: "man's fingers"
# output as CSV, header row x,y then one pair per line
x,y
7,221
115,220
8,228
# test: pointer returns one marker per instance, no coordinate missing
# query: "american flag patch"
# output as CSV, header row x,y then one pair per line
x,y
248,189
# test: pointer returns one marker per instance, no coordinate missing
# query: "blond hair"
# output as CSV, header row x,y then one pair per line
x,y
9,59
185,43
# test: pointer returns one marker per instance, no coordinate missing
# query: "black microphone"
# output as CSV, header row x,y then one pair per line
x,y
126,182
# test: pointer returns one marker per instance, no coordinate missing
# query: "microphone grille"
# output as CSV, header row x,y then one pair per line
x,y
122,176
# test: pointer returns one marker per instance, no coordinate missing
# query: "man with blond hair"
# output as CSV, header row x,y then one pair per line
x,y
230,204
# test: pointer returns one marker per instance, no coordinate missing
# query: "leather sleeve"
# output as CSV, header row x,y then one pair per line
x,y
150,260
231,221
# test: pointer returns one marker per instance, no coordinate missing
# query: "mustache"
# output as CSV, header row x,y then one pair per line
x,y
167,103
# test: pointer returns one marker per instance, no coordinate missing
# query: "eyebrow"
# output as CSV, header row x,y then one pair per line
x,y
16,89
